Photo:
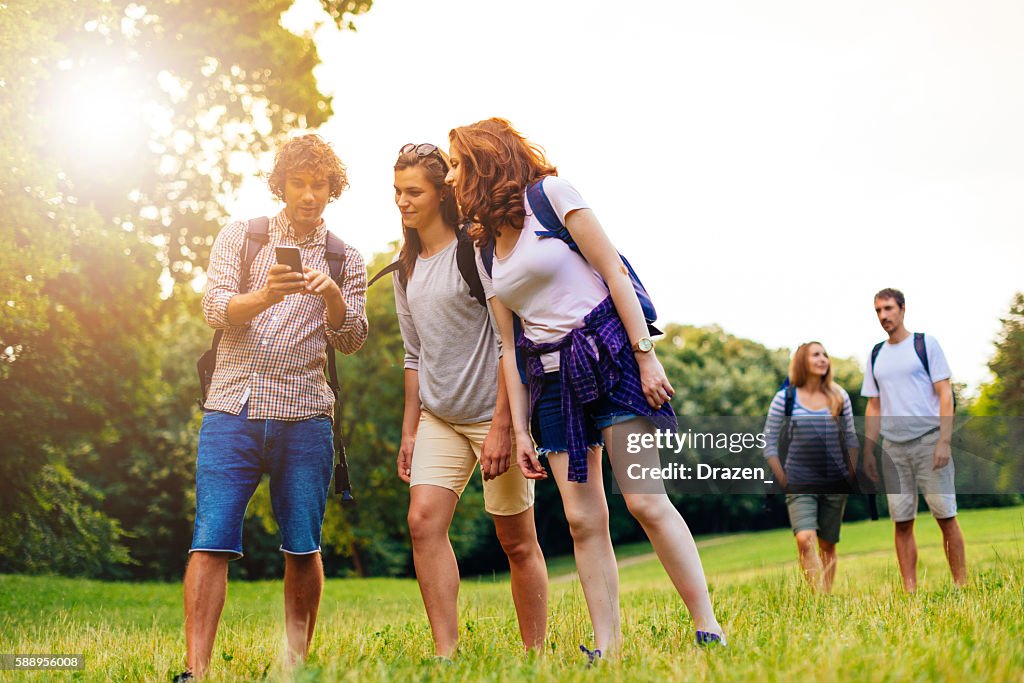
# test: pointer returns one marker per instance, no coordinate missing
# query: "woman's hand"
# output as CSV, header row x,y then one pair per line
x,y
496,452
405,458
653,380
526,458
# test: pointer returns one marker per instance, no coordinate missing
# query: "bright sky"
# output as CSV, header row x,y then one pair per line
x,y
766,166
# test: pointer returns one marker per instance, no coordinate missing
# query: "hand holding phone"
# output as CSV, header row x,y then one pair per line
x,y
286,276
291,257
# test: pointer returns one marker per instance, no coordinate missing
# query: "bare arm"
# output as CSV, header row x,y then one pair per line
x,y
599,252
943,449
410,424
496,451
872,429
518,396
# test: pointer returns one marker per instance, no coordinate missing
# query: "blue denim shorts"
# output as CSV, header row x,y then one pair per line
x,y
548,424
234,452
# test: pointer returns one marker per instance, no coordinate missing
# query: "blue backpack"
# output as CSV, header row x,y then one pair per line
x,y
546,215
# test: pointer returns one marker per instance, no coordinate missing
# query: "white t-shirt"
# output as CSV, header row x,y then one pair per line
x,y
548,285
910,406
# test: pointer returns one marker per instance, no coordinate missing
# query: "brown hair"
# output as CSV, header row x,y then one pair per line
x,y
890,293
308,154
497,164
798,376
435,167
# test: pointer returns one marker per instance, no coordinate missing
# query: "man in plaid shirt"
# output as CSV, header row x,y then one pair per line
x,y
269,407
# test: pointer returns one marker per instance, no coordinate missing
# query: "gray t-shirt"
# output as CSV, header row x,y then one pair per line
x,y
450,339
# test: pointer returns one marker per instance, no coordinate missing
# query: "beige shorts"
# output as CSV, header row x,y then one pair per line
x,y
445,455
908,468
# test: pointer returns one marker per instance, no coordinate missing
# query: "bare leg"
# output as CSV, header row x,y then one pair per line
x,y
953,544
518,536
206,585
586,510
827,553
906,554
666,530
810,562
303,586
430,514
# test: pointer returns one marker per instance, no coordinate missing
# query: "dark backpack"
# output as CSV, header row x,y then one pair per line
x,y
789,426
922,354
546,215
257,234
464,257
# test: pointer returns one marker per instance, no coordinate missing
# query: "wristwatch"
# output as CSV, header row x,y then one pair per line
x,y
643,345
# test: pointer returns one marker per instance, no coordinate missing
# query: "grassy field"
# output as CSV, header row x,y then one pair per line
x,y
375,629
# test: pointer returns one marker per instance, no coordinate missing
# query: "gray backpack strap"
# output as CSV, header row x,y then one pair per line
x,y
256,235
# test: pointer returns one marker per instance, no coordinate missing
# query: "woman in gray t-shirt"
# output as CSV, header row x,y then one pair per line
x,y
456,406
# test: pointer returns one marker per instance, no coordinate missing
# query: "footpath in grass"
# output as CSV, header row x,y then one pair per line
x,y
375,629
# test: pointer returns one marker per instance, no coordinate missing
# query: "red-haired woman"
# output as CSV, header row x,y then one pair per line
x,y
820,458
583,329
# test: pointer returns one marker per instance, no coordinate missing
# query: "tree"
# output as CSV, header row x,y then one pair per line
x,y
92,215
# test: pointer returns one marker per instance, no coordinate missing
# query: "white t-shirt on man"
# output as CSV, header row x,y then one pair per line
x,y
909,404
549,286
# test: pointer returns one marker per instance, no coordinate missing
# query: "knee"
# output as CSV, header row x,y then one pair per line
x,y
904,529
423,525
646,509
519,548
585,525
806,541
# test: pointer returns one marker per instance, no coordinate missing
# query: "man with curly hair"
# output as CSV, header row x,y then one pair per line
x,y
269,408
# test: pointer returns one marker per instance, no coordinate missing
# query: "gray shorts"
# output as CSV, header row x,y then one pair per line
x,y
909,467
822,512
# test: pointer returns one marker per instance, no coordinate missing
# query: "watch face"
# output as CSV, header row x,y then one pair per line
x,y
645,344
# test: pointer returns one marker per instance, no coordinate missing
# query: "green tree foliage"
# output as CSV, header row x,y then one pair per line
x,y
95,411
1000,408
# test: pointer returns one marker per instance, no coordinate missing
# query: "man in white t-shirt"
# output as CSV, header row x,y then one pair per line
x,y
910,402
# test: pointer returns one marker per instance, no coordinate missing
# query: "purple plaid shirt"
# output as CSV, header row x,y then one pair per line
x,y
594,360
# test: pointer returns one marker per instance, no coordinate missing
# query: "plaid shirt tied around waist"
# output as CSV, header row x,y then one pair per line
x,y
594,360
276,361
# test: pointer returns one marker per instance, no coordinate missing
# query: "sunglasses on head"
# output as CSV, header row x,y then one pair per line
x,y
424,150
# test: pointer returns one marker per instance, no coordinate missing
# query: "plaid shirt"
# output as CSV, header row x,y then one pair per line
x,y
276,360
594,360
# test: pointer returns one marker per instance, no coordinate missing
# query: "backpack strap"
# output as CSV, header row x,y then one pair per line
x,y
465,258
387,270
790,397
487,257
874,356
545,213
922,352
256,235
334,253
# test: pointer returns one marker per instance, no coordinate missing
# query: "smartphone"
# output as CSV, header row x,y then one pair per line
x,y
291,257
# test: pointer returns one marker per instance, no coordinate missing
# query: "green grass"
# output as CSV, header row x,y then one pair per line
x,y
375,629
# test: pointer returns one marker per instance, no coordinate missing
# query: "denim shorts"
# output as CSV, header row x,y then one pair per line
x,y
234,452
548,424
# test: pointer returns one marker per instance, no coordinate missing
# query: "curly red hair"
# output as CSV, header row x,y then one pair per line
x,y
308,154
497,164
